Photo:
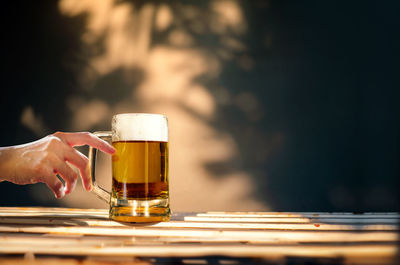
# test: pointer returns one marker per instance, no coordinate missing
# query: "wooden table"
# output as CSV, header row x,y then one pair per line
x,y
86,236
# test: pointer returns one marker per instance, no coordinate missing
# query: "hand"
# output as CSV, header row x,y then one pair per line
x,y
43,160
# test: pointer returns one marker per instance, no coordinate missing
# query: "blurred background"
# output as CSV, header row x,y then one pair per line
x,y
272,105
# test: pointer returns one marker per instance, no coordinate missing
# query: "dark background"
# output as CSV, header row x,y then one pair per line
x,y
326,74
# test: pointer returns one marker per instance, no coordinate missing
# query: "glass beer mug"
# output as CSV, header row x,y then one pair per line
x,y
140,190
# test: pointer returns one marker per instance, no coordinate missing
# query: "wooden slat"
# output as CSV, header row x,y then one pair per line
x,y
216,225
51,210
238,235
56,215
344,218
302,214
385,254
72,261
388,221
104,213
277,238
293,220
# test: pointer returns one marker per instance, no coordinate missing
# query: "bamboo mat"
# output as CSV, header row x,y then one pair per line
x,y
329,238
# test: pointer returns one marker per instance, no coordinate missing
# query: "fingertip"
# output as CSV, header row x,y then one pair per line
x,y
60,193
87,179
112,150
87,183
107,148
88,187
69,188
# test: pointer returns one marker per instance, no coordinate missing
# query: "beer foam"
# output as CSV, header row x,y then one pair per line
x,y
139,127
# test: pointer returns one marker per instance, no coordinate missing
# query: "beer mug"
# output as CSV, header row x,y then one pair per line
x,y
140,185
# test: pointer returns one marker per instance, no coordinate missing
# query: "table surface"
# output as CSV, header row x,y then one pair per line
x,y
87,236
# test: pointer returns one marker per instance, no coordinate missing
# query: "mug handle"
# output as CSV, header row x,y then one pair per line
x,y
99,191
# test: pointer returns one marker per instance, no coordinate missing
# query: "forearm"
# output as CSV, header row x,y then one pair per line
x,y
7,163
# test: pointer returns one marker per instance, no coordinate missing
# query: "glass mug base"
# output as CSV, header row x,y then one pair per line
x,y
135,210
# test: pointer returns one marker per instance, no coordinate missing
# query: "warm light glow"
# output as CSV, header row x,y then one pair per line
x,y
30,120
170,86
89,113
228,17
163,18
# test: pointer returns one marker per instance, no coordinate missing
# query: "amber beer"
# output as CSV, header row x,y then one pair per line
x,y
140,191
140,170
